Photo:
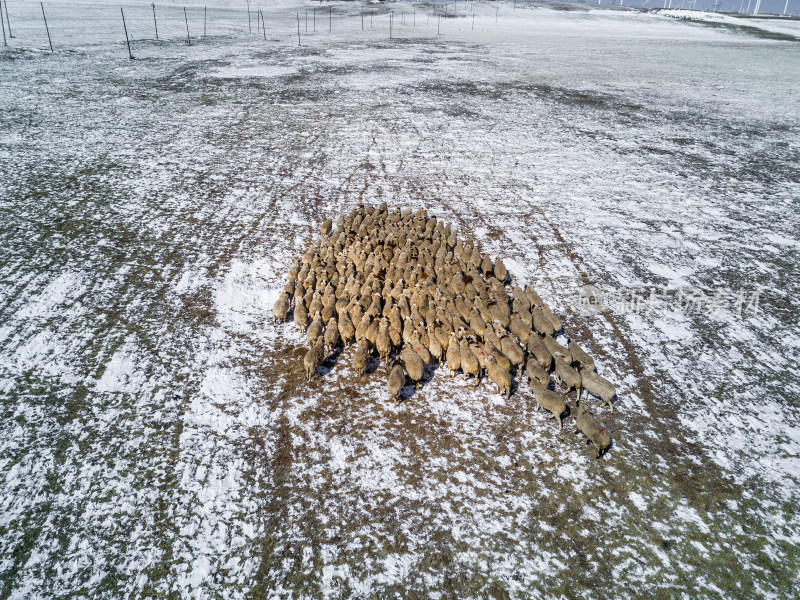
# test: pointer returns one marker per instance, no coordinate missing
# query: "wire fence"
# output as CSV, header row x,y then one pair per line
x,y
64,26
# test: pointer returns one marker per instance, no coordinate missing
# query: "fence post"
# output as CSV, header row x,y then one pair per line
x,y
263,24
330,19
298,29
3,23
46,27
249,25
185,18
155,23
205,19
11,35
391,18
127,39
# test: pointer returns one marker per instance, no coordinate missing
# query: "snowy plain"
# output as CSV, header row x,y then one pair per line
x,y
156,437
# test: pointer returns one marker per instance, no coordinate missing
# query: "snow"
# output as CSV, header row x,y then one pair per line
x,y
783,26
156,435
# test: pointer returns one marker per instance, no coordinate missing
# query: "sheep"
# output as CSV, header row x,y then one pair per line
x,y
313,359
487,268
599,386
413,363
520,329
419,348
554,320
564,373
361,357
396,332
522,297
397,379
372,332
281,308
383,343
325,228
534,371
580,356
500,377
469,362
434,346
541,324
556,349
549,400
331,335
362,328
453,354
346,330
477,323
509,347
540,352
301,316
501,358
401,280
315,330
500,271
498,314
480,354
594,432
522,313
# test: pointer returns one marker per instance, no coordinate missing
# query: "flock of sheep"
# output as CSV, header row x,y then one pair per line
x,y
404,285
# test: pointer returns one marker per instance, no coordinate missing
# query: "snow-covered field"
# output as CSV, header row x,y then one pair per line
x,y
156,437
789,27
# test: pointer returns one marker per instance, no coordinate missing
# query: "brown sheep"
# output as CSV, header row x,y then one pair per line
x,y
579,355
469,362
315,330
434,346
331,335
383,343
599,386
556,349
413,363
281,308
520,329
500,377
313,359
595,433
397,379
346,329
535,372
301,316
540,352
570,377
500,271
361,357
453,354
541,323
325,228
549,400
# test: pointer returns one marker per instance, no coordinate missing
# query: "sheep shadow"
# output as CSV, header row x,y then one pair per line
x,y
330,360
428,373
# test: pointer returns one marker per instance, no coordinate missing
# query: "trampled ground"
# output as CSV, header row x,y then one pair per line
x,y
156,437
